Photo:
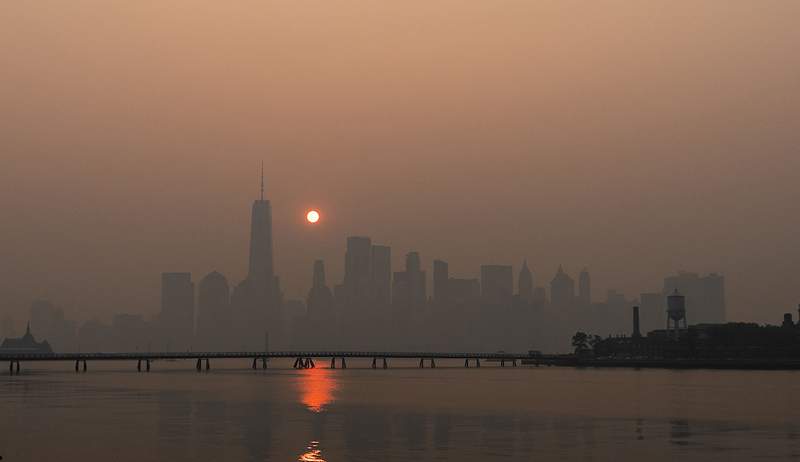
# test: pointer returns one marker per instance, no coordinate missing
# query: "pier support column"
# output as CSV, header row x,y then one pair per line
x,y
433,363
421,363
255,363
147,365
311,360
296,364
514,362
199,365
344,363
84,365
77,364
477,362
263,363
11,367
17,367
374,363
466,363
208,365
333,363
502,363
385,364
139,365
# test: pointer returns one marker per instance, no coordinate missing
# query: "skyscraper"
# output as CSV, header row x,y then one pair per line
x,y
258,300
357,268
525,283
177,311
381,267
440,280
214,321
562,289
584,289
497,284
320,298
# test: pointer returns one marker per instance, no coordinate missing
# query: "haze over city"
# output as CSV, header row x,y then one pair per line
x,y
632,138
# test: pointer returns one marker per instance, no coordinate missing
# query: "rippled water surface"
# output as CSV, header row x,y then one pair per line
x,y
174,413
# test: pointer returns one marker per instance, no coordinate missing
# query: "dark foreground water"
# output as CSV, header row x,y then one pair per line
x,y
113,413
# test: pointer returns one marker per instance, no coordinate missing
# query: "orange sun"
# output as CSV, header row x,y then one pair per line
x,y
312,216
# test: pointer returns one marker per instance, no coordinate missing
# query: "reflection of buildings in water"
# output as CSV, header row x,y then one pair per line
x,y
313,453
316,388
680,431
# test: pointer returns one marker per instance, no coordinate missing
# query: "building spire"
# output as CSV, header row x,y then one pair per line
x,y
262,180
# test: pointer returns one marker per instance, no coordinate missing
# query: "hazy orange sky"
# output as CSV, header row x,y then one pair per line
x,y
633,137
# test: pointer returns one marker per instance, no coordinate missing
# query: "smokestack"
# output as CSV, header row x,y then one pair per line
x,y
636,332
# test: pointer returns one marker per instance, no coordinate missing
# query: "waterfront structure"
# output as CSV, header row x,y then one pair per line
x,y
25,344
676,311
705,295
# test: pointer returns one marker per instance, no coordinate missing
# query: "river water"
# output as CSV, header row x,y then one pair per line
x,y
174,413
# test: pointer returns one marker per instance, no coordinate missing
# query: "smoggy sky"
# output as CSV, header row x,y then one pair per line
x,y
633,137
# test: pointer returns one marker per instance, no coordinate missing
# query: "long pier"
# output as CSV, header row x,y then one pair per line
x,y
303,359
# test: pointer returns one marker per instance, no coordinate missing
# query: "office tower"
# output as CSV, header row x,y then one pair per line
x,y
441,275
539,296
358,267
416,280
584,289
320,299
409,288
257,301
562,289
381,267
214,322
652,308
525,283
497,284
705,295
261,269
177,311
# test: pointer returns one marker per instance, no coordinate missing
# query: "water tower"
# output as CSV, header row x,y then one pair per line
x,y
676,311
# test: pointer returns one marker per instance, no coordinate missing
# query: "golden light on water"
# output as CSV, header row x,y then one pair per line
x,y
316,388
312,454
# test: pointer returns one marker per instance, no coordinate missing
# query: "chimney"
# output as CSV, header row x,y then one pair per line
x,y
636,332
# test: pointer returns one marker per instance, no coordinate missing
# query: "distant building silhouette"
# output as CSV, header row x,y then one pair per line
x,y
562,290
257,301
584,289
176,319
705,295
497,284
525,283
214,317
51,323
441,275
320,298
25,344
381,275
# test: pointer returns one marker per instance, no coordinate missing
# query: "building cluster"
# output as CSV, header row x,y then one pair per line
x,y
733,340
373,307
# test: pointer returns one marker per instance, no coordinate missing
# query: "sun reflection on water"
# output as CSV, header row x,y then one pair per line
x,y
316,388
313,453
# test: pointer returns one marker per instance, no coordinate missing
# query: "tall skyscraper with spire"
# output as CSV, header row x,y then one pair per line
x,y
258,300
261,261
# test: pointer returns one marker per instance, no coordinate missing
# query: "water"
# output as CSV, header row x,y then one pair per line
x,y
404,413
